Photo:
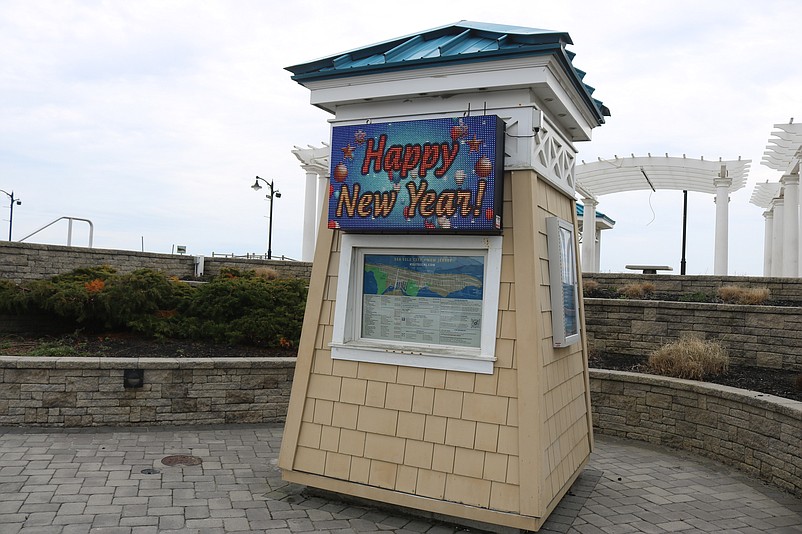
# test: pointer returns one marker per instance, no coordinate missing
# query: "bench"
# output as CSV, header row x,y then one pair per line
x,y
649,269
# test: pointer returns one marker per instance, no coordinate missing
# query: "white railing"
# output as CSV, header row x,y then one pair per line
x,y
69,229
252,256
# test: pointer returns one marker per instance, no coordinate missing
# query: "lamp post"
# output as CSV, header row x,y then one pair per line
x,y
273,193
11,215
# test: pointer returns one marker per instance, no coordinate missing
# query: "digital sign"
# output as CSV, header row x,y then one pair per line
x,y
426,176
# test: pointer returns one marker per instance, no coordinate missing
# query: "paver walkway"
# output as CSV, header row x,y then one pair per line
x,y
113,481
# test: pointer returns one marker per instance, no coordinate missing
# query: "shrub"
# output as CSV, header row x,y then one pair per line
x,y
689,358
54,349
698,296
589,287
11,297
66,298
248,308
138,299
268,273
637,290
85,274
743,295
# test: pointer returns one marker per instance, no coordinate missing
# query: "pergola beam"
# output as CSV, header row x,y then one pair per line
x,y
722,177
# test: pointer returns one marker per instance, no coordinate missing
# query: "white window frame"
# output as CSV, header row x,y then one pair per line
x,y
559,265
346,342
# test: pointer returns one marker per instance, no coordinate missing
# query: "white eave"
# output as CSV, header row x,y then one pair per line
x,y
543,76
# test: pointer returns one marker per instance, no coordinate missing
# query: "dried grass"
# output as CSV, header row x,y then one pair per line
x,y
589,286
268,273
689,358
743,295
637,290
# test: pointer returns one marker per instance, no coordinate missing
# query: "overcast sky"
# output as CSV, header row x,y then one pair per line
x,y
152,118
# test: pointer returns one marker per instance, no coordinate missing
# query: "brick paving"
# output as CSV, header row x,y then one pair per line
x,y
112,481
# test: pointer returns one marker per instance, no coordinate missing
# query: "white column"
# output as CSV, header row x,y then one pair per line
x,y
790,224
310,216
315,161
322,199
777,239
767,237
799,226
597,259
722,184
588,234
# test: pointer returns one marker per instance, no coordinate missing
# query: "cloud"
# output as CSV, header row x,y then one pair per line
x,y
152,117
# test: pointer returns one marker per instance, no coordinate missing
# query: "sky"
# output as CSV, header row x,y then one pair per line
x,y
152,118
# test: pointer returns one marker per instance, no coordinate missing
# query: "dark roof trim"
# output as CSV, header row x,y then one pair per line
x,y
460,43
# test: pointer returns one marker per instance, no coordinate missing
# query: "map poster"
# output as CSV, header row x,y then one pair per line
x,y
434,176
427,299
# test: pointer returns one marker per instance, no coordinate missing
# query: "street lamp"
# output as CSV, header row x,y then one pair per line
x,y
273,193
11,216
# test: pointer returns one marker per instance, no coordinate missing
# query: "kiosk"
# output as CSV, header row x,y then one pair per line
x,y
443,363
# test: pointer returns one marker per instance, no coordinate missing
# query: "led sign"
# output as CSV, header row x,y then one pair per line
x,y
427,176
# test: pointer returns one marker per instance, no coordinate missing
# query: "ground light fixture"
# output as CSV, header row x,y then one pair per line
x,y
133,378
273,193
16,201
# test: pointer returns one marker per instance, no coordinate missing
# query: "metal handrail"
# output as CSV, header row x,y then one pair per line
x,y
69,229
251,256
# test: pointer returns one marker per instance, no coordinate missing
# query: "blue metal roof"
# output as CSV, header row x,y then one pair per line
x,y
462,42
580,211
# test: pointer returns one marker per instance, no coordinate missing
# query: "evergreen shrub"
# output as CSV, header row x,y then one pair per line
x,y
238,308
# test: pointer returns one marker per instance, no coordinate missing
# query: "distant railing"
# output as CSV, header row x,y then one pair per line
x,y
253,256
69,229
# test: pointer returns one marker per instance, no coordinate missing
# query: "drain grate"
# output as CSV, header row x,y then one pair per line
x,y
150,471
181,459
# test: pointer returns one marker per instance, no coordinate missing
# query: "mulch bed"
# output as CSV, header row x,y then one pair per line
x,y
787,384
123,345
778,382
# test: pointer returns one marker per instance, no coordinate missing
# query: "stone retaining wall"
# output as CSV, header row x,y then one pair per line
x,y
80,392
759,434
757,336
28,261
785,289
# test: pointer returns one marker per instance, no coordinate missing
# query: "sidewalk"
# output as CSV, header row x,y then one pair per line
x,y
113,481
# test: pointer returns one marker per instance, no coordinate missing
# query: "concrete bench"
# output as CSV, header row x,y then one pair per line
x,y
649,269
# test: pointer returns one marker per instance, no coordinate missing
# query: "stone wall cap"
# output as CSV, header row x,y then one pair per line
x,y
93,362
782,405
646,303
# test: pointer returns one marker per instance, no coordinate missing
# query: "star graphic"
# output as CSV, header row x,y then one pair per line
x,y
474,144
348,152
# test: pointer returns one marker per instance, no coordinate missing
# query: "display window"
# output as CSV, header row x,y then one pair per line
x,y
564,280
425,301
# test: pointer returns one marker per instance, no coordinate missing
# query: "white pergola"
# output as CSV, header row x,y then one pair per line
x,y
315,161
764,196
781,250
603,222
607,176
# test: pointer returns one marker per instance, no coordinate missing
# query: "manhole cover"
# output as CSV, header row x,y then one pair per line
x,y
181,459
150,471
